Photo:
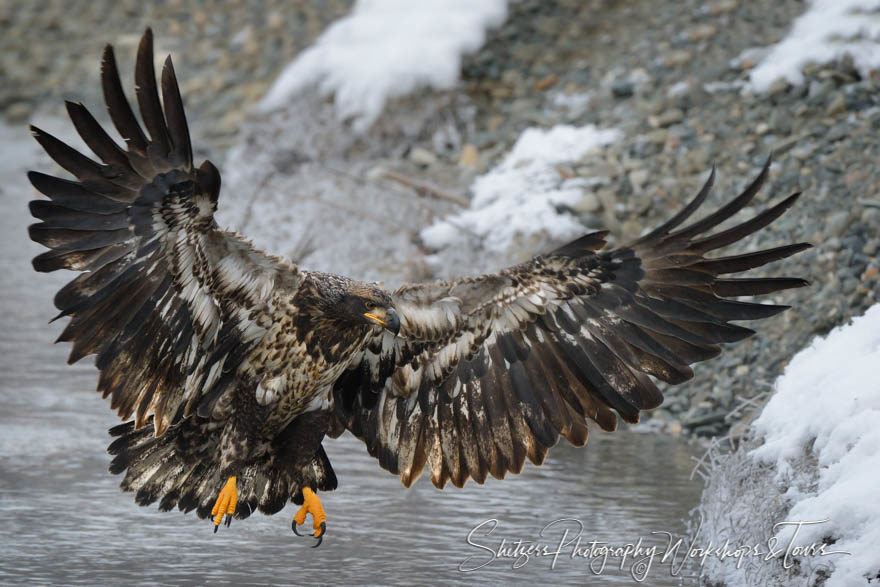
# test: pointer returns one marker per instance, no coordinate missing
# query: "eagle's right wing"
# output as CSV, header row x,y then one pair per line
x,y
170,304
488,371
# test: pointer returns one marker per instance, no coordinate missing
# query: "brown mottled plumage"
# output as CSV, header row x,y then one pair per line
x,y
233,362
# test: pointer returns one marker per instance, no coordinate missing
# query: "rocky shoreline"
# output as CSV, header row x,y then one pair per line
x,y
670,79
226,54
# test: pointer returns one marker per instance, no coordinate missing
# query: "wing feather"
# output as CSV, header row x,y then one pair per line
x,y
168,302
490,370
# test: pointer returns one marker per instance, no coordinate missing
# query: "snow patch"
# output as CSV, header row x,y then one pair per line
x,y
385,49
828,30
812,457
522,196
829,396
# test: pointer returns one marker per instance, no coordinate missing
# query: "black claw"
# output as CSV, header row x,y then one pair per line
x,y
321,537
228,520
215,528
293,527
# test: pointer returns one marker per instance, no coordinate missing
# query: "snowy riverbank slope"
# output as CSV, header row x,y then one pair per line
x,y
813,459
829,30
386,49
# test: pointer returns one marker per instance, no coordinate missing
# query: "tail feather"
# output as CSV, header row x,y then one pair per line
x,y
265,489
166,468
181,469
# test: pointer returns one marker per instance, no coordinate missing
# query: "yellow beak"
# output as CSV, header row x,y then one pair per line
x,y
386,318
375,319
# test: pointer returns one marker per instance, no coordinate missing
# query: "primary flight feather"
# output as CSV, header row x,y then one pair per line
x,y
232,365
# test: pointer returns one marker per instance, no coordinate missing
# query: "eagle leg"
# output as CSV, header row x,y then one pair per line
x,y
225,504
311,505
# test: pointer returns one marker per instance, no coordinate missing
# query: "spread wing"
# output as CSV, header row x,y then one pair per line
x,y
492,369
169,303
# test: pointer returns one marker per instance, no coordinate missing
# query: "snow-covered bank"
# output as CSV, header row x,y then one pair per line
x,y
814,458
525,199
385,49
828,30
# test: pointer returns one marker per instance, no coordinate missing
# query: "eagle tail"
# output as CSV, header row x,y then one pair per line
x,y
156,470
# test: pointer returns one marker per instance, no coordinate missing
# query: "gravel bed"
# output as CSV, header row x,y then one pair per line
x,y
226,53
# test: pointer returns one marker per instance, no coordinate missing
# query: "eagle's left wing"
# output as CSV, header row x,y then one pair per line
x,y
170,304
490,370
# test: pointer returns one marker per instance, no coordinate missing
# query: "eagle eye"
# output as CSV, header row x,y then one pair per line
x,y
369,305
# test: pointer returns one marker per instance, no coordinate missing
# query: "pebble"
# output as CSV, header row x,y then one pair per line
x,y
422,156
657,137
723,6
870,216
779,86
837,223
780,121
677,58
588,204
18,112
545,82
837,132
638,178
837,105
632,228
470,156
818,91
667,118
701,32
622,88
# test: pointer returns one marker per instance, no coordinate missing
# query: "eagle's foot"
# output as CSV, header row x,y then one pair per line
x,y
225,504
311,505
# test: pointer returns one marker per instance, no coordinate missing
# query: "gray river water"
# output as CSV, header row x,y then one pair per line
x,y
64,520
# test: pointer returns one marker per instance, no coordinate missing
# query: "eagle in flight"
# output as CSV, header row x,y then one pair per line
x,y
231,365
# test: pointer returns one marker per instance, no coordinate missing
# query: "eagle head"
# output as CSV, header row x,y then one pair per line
x,y
368,304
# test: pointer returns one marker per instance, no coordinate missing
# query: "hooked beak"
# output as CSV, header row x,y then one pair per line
x,y
388,319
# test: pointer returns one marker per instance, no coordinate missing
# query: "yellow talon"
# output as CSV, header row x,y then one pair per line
x,y
311,505
225,504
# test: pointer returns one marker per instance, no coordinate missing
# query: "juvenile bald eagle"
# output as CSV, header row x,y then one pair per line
x,y
235,364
